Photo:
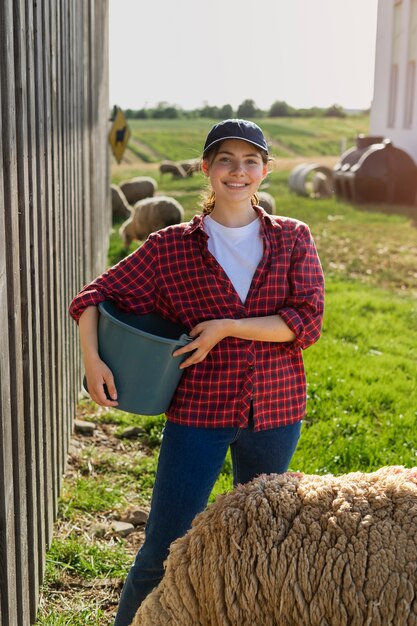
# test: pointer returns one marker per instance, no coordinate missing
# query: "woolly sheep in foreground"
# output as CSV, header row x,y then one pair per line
x,y
136,189
149,215
297,550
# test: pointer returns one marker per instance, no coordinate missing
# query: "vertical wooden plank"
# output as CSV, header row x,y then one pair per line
x,y
50,327
35,260
63,229
88,271
41,201
67,253
58,302
8,610
10,188
104,125
29,561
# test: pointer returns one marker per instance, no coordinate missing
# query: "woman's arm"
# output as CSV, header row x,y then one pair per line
x,y
207,334
96,371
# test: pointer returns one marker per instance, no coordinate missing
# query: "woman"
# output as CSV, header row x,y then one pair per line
x,y
249,287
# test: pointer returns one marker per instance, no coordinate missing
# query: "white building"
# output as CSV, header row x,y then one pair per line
x,y
394,105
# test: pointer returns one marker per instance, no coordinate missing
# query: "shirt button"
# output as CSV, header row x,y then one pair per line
x,y
251,367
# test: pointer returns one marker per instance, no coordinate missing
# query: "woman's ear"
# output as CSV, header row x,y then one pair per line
x,y
204,167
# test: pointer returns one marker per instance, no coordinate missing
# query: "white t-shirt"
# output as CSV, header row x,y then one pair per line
x,y
237,250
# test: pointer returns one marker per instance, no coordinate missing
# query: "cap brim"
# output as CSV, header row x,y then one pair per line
x,y
254,143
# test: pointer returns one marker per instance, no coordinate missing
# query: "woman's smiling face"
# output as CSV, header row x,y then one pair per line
x,y
236,171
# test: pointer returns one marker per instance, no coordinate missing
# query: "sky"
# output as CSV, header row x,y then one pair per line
x,y
189,52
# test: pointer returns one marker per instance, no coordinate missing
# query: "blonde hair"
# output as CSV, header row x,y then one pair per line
x,y
208,196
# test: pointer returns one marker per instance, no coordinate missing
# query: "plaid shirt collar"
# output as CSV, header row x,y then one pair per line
x,y
197,223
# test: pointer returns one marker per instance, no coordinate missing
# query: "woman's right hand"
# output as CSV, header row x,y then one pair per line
x,y
98,374
96,371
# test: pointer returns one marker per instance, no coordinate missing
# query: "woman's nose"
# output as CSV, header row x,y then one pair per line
x,y
237,167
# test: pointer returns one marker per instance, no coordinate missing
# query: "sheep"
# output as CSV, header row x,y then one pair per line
x,y
138,188
322,186
297,550
119,204
190,166
169,167
267,202
149,215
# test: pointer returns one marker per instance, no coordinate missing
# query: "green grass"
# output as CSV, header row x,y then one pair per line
x,y
91,493
362,389
85,558
287,136
74,616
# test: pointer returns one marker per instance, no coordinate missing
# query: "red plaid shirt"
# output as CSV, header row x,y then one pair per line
x,y
174,274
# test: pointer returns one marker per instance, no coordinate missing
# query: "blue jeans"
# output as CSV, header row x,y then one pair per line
x,y
190,461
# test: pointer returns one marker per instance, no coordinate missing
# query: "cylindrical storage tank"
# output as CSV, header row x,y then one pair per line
x,y
385,174
303,180
351,156
293,177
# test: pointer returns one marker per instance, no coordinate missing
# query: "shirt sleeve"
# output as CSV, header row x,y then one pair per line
x,y
130,284
304,308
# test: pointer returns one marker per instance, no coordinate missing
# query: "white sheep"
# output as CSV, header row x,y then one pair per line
x,y
170,167
190,166
149,215
297,550
136,189
119,204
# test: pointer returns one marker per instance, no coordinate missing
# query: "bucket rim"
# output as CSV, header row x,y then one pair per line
x,y
183,339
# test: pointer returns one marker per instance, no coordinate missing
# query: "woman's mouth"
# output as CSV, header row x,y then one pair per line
x,y
236,185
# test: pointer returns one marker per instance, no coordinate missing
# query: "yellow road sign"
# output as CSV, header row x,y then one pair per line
x,y
119,135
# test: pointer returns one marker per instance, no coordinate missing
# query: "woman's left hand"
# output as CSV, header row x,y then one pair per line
x,y
206,335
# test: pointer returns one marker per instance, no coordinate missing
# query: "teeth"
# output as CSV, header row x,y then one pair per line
x,y
235,184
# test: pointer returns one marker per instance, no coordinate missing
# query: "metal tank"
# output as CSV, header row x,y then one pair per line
x,y
381,174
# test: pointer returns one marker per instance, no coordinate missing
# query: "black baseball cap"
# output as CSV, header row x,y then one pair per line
x,y
236,129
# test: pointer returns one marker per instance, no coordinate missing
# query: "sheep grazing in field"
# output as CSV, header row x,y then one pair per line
x,y
169,167
297,550
149,215
119,204
138,188
322,186
267,202
190,166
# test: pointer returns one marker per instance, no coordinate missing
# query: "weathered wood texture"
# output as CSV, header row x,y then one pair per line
x,y
55,220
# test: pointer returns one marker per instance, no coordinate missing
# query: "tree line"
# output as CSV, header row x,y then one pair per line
x,y
247,109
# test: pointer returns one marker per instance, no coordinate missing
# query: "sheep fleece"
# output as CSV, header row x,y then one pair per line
x,y
297,550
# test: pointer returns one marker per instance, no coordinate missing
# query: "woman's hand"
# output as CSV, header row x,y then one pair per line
x,y
206,335
96,371
98,374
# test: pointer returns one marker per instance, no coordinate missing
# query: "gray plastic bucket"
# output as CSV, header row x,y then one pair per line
x,y
138,350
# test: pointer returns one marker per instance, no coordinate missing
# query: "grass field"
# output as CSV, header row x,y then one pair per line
x,y
152,140
362,378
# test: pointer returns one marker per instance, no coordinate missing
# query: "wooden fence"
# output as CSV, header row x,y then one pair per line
x,y
54,225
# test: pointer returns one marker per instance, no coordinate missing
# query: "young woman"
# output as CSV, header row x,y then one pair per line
x,y
249,287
